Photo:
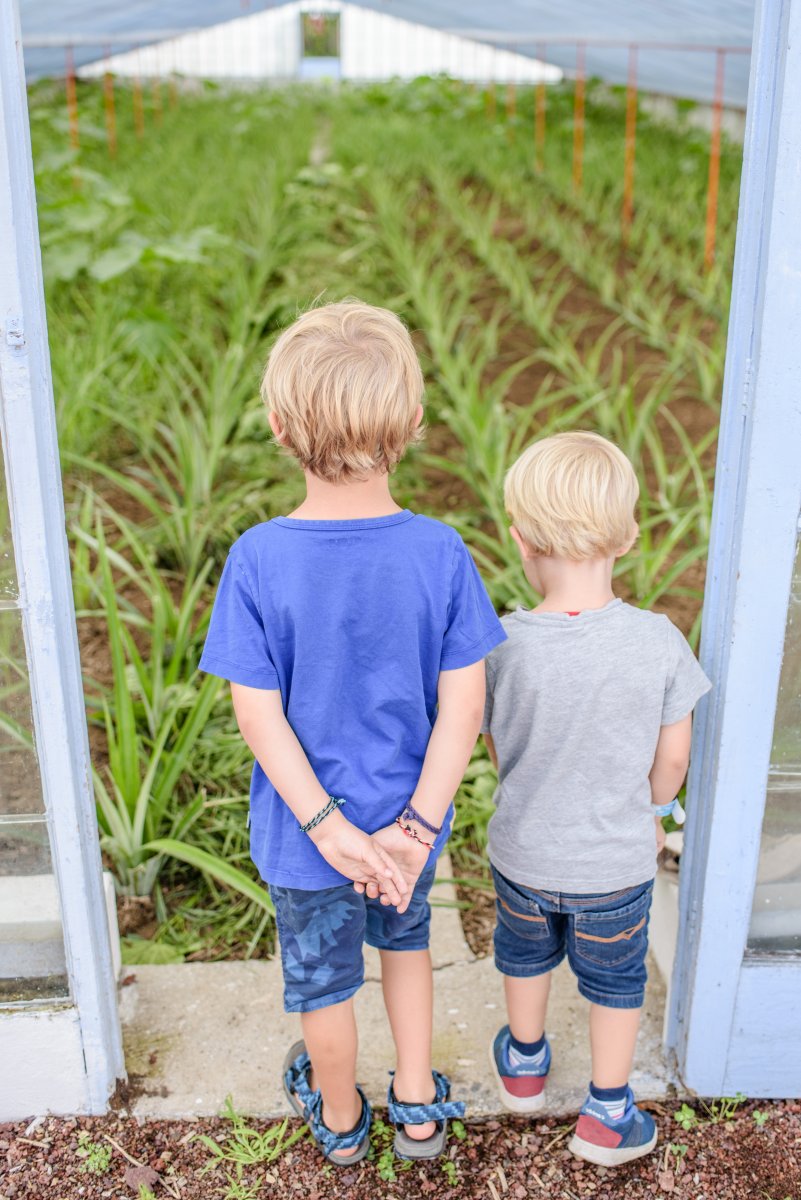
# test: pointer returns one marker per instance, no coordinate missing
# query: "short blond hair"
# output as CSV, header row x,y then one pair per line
x,y
573,496
345,383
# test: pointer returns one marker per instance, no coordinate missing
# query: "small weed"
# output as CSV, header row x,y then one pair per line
x,y
723,1110
450,1172
382,1140
96,1157
760,1118
686,1117
145,1193
247,1147
679,1149
458,1130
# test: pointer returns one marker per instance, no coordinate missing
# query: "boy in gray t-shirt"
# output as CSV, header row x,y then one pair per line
x,y
588,720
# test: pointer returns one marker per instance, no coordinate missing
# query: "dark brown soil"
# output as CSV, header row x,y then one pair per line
x,y
509,1159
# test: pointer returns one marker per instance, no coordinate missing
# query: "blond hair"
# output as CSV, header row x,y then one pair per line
x,y
573,495
344,383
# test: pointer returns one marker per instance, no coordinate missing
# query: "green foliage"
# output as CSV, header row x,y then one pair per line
x,y
760,1118
95,1156
686,1117
449,1170
244,1149
725,1108
382,1153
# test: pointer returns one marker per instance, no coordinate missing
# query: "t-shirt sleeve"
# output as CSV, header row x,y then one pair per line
x,y
473,626
686,683
236,646
485,724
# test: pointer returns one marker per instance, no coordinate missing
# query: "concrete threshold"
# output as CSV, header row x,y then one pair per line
x,y
198,1032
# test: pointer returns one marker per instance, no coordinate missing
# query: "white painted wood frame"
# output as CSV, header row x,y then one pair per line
x,y
734,1016
42,558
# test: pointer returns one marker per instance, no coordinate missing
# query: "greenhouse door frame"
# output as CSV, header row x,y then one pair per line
x,y
61,1055
733,1020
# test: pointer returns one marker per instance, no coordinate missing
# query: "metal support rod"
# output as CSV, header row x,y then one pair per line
x,y
714,163
630,146
578,117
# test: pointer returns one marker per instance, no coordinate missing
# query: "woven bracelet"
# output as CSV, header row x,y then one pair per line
x,y
333,804
412,833
410,813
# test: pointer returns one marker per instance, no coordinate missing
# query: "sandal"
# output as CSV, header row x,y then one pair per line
x,y
308,1103
439,1110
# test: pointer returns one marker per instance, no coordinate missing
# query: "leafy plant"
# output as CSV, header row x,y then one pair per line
x,y
686,1117
95,1156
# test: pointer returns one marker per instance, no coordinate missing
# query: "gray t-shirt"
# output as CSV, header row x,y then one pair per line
x,y
575,705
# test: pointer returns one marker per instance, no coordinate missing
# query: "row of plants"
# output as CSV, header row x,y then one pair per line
x,y
168,273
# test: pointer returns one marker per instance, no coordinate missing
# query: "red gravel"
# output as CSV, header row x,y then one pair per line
x,y
509,1159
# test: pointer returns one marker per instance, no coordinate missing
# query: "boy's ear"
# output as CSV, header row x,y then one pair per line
x,y
418,416
275,425
525,550
625,549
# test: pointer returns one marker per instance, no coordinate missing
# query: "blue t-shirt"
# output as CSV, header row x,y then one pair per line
x,y
353,621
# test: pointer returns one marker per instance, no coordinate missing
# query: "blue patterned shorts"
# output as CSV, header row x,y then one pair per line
x,y
321,935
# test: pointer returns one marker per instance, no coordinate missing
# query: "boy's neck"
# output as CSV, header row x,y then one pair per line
x,y
354,500
574,586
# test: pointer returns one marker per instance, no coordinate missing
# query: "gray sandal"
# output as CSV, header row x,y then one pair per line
x,y
440,1110
308,1103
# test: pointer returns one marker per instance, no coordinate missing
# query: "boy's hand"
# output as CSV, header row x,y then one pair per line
x,y
361,858
660,835
409,855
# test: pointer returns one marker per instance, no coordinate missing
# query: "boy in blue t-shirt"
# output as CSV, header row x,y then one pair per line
x,y
353,633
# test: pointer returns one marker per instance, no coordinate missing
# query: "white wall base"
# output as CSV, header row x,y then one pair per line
x,y
43,1065
663,927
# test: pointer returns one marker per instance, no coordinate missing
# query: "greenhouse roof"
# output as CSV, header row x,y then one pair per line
x,y
522,25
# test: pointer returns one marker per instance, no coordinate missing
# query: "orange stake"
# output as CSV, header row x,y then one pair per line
x,y
72,100
491,100
630,147
511,105
138,104
539,119
158,107
578,118
714,163
111,113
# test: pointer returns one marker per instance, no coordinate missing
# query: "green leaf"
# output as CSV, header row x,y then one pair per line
x,y
222,871
138,951
118,259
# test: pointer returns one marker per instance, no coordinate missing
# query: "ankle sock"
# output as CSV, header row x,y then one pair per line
x,y
612,1099
526,1054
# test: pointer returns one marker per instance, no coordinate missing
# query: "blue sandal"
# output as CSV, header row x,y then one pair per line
x,y
440,1110
308,1103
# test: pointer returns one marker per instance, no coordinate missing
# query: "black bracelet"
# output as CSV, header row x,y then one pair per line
x,y
410,813
333,804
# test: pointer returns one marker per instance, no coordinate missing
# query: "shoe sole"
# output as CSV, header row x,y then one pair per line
x,y
515,1104
607,1156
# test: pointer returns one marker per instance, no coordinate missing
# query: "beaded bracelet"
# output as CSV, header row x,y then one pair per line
x,y
411,833
410,813
333,804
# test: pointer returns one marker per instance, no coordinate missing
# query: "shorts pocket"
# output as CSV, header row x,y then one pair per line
x,y
612,938
518,910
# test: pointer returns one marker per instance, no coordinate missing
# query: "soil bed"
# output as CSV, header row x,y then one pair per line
x,y
754,1156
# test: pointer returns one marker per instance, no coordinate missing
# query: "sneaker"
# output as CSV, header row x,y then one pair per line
x,y
521,1089
608,1143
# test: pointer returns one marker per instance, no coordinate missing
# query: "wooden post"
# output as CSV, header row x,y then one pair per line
x,y
158,107
578,118
630,147
714,163
138,103
108,103
539,119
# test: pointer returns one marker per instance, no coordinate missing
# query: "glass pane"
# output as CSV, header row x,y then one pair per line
x,y
20,784
8,571
32,964
776,915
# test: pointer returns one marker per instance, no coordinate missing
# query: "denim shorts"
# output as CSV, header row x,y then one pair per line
x,y
605,938
321,935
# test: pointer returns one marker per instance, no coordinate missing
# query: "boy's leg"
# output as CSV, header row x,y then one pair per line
x,y
527,1005
613,1035
408,983
331,1040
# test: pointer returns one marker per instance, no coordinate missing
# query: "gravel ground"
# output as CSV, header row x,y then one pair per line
x,y
747,1158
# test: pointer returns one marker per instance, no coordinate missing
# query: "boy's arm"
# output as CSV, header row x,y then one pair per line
x,y
671,761
460,695
490,744
263,725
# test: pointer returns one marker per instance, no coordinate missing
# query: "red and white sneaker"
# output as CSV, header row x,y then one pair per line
x,y
521,1088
